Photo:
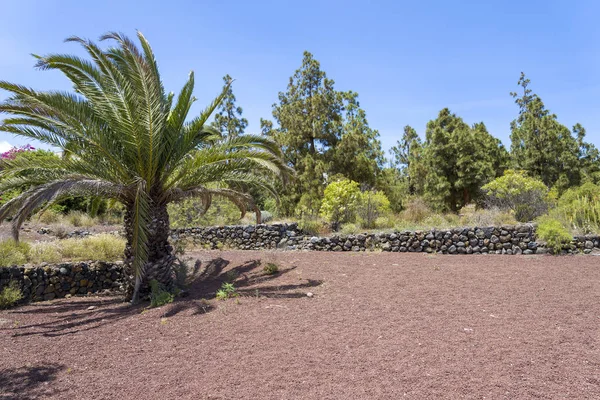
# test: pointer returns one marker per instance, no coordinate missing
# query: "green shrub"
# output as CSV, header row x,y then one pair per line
x,y
227,291
350,229
415,210
49,217
13,253
44,252
10,295
580,207
103,247
372,205
271,269
384,222
158,295
470,215
312,226
527,197
190,213
553,232
80,219
341,200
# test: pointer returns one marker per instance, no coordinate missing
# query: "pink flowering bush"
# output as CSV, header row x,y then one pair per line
x,y
12,153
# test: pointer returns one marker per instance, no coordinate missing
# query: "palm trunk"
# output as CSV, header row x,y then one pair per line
x,y
160,254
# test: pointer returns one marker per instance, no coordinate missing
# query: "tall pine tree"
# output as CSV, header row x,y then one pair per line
x,y
547,149
228,118
323,132
459,160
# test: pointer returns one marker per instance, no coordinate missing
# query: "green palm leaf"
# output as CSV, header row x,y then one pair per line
x,y
124,138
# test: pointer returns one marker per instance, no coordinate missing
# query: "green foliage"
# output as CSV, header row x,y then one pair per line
x,y
471,215
232,275
271,268
553,232
546,149
103,247
13,253
527,197
341,201
182,272
158,295
394,186
416,210
312,226
372,205
228,118
580,208
191,212
227,291
10,295
49,217
358,154
80,219
124,138
350,229
460,159
407,157
322,132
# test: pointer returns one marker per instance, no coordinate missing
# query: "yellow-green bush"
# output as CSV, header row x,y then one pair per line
x,y
10,295
341,200
372,205
527,197
49,217
350,229
190,213
580,208
554,233
80,219
13,253
103,247
44,252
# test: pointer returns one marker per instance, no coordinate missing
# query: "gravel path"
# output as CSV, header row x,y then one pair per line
x,y
378,326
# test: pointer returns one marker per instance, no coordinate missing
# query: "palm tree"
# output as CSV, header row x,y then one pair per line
x,y
126,139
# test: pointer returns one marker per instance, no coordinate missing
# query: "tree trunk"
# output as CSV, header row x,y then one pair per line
x,y
160,253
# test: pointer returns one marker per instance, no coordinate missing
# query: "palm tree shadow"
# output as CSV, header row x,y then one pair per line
x,y
29,382
247,277
70,317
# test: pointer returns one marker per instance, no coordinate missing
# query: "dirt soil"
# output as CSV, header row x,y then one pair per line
x,y
378,326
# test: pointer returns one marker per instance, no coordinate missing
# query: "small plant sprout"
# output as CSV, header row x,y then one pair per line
x,y
271,269
227,291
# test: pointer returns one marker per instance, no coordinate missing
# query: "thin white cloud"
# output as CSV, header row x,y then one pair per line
x,y
5,146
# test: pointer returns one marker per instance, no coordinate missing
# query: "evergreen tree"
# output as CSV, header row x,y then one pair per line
x,y
322,132
459,160
589,157
228,118
541,145
358,154
408,151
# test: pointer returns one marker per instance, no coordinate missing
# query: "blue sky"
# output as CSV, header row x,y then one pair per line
x,y
407,60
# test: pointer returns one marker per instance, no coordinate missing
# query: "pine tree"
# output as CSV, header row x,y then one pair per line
x,y
228,118
541,145
358,155
459,159
323,132
407,151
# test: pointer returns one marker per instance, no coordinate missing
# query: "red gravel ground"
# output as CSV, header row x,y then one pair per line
x,y
379,326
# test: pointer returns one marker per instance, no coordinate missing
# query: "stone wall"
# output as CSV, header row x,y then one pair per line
x,y
519,239
47,282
